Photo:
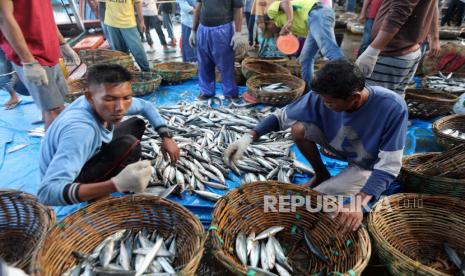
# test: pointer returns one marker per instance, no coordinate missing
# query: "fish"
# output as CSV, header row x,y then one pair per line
x,y
269,232
314,249
280,256
208,195
263,257
241,248
149,257
16,148
250,241
107,253
255,253
282,271
275,88
270,254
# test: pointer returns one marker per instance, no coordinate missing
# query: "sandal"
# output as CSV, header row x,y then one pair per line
x,y
13,105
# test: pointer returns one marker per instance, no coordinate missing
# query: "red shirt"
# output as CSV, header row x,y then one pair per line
x,y
35,18
374,8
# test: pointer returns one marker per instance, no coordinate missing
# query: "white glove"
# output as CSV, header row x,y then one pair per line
x,y
236,150
192,39
367,61
34,73
69,54
238,41
134,178
13,271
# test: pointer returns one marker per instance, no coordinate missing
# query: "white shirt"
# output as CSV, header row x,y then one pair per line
x,y
149,8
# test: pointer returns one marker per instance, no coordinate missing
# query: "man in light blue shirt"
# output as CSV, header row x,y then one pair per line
x,y
187,7
87,153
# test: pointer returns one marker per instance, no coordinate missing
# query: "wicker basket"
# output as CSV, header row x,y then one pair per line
x,y
76,88
242,210
144,83
278,98
294,66
24,222
83,230
240,80
409,231
417,182
95,56
251,68
277,60
456,122
174,72
427,103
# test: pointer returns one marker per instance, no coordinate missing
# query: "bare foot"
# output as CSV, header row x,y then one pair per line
x,y
12,103
317,179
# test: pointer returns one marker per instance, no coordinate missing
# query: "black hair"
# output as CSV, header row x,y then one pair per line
x,y
107,74
338,78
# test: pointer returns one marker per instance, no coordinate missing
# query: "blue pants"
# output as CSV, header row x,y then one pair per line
x,y
101,17
189,54
320,38
214,49
168,24
350,5
6,80
250,20
366,39
128,39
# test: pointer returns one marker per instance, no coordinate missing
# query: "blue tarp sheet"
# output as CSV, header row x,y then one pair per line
x,y
20,170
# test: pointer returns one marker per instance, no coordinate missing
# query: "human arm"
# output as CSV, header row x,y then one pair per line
x,y
66,51
363,12
196,16
140,17
433,36
287,8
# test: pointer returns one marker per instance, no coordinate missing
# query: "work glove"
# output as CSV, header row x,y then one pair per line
x,y
192,39
34,73
238,41
134,178
235,151
7,270
69,54
367,61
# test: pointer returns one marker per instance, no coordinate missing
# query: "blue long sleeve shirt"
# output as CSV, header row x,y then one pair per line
x,y
187,10
372,137
72,139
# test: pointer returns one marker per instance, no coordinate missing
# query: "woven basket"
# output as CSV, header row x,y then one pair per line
x,y
294,67
76,88
24,222
240,80
251,68
144,83
279,61
446,32
427,103
242,210
417,182
95,56
456,122
174,72
279,98
409,230
83,230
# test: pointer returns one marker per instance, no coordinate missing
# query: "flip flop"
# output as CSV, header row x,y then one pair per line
x,y
13,105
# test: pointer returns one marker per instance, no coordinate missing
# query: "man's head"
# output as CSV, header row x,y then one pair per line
x,y
340,83
109,91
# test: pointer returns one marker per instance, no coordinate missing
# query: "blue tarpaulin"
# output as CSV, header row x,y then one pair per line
x,y
19,170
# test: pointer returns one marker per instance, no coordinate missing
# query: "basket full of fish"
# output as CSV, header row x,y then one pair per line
x,y
451,83
441,173
24,223
427,103
128,235
450,130
415,234
203,134
175,72
276,89
248,238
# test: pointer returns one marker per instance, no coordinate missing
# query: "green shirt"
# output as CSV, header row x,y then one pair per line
x,y
299,23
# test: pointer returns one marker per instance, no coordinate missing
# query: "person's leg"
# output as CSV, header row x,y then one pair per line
x,y
347,183
307,59
135,47
148,26
206,65
250,31
6,77
188,53
321,22
366,39
101,16
304,137
449,12
223,56
161,35
395,73
117,39
460,12
169,27
251,26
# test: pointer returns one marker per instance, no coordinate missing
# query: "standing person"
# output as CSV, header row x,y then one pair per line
x,y
166,11
187,7
89,153
455,8
364,125
367,15
259,9
217,39
249,20
151,20
310,19
101,16
120,20
392,58
7,81
32,42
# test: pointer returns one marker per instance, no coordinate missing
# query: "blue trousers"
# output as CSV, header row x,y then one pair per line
x,y
101,17
6,80
189,54
214,49
128,40
366,39
168,24
321,38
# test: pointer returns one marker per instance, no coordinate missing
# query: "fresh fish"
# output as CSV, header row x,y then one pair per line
x,y
269,232
149,257
270,254
16,148
241,248
280,257
255,253
250,240
208,195
453,257
124,256
166,265
314,249
107,253
282,271
263,256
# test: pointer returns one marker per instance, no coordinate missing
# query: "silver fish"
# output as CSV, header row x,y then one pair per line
x,y
149,257
269,232
241,248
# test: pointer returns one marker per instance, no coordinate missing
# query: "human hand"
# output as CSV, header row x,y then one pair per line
x,y
367,60
192,39
235,151
434,47
34,73
134,177
286,29
142,28
238,41
169,147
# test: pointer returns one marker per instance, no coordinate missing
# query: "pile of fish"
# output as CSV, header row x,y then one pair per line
x,y
275,88
454,133
263,252
446,83
203,134
455,259
128,253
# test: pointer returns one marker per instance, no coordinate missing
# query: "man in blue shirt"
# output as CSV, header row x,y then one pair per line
x,y
87,153
365,126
